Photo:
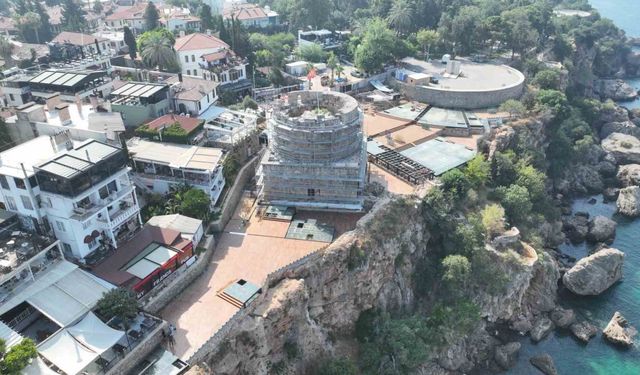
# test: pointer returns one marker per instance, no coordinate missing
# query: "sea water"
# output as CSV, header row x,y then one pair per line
x,y
599,357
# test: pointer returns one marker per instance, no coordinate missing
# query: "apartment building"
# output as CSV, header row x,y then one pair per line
x,y
251,15
160,166
79,191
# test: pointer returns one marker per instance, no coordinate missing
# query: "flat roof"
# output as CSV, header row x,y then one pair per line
x,y
176,155
63,78
29,154
138,89
408,135
376,124
439,155
79,159
473,77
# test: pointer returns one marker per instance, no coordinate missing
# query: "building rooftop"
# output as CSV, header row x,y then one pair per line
x,y
246,12
192,88
145,252
138,89
78,39
199,41
439,155
189,124
127,12
175,155
186,225
80,159
28,155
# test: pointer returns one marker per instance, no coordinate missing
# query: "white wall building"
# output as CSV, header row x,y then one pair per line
x,y
192,95
80,191
160,166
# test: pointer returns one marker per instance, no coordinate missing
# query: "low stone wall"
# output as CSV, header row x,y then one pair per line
x,y
156,301
235,193
438,97
140,352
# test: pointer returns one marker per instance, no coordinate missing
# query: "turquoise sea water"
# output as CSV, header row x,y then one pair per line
x,y
598,357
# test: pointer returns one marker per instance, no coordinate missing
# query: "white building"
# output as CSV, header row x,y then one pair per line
x,y
80,191
192,95
206,56
190,229
176,19
229,128
251,15
131,16
159,166
91,44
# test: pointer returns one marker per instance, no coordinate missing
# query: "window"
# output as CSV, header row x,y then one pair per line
x,y
93,243
11,203
193,58
199,106
311,192
208,99
195,72
26,202
33,181
66,248
19,183
188,72
104,192
3,182
60,226
11,97
186,59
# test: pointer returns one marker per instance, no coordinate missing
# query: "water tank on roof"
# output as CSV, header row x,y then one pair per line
x,y
446,58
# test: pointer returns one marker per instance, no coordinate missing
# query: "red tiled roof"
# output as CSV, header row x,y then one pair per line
x,y
197,41
245,12
77,39
189,124
191,88
110,268
127,13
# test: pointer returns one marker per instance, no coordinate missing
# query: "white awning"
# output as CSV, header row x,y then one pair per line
x,y
96,335
69,298
67,353
38,367
9,336
76,347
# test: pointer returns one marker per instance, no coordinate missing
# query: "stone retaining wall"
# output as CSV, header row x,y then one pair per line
x,y
140,352
235,193
154,302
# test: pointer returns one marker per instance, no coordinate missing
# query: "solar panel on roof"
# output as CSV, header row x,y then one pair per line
x,y
40,77
121,89
75,80
64,79
151,92
140,91
146,90
52,78
133,88
58,169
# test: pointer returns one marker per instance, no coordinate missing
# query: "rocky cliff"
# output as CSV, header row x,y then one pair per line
x,y
310,311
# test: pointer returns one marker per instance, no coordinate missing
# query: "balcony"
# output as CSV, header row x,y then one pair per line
x,y
119,216
85,212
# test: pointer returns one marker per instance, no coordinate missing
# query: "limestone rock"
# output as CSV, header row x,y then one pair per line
x,y
625,148
606,168
618,331
576,227
507,355
563,318
541,328
629,175
615,89
544,363
610,194
594,274
628,202
583,331
601,229
624,127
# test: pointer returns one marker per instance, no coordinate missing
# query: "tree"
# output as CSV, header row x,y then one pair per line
x,y
457,269
455,183
5,138
97,7
130,41
377,47
401,16
196,203
503,168
208,23
426,38
32,21
156,50
548,79
517,203
513,107
478,171
493,219
332,63
6,50
73,16
151,16
120,303
12,362
533,180
309,12
311,53
249,103
339,70
337,366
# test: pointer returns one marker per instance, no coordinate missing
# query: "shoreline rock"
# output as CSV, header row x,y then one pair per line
x,y
544,362
583,331
619,331
615,89
628,202
594,274
563,318
629,175
601,229
624,148
541,328
507,355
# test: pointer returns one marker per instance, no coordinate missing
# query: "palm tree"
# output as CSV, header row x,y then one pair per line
x,y
157,51
332,63
31,20
339,70
401,16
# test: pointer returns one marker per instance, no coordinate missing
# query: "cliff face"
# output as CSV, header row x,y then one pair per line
x,y
310,311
